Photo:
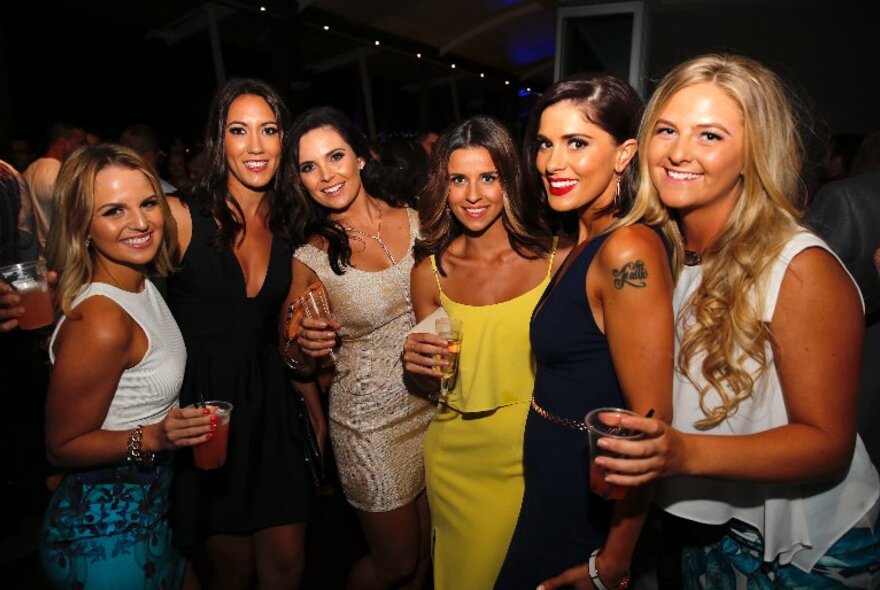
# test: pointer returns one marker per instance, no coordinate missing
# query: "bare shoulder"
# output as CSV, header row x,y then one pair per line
x,y
421,270
98,325
815,278
630,244
179,209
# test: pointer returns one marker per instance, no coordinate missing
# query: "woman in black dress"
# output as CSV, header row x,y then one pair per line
x,y
246,519
601,335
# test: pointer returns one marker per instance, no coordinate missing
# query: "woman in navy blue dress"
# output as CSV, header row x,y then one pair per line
x,y
601,334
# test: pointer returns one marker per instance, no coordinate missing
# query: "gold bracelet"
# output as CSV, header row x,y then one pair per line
x,y
133,447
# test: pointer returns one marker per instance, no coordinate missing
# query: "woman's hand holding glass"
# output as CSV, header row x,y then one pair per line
x,y
661,453
425,354
316,336
181,427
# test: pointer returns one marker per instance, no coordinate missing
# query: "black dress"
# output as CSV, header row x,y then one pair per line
x,y
232,355
561,521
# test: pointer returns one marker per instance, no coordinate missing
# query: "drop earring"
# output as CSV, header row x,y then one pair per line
x,y
88,242
616,202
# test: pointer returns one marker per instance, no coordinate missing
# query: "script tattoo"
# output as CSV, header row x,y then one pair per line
x,y
632,274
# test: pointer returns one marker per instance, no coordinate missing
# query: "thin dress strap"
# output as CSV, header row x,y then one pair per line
x,y
436,273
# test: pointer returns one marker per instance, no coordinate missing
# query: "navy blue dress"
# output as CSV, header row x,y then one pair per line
x,y
561,521
232,355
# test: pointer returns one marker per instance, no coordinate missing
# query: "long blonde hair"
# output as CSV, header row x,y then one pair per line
x,y
721,319
74,204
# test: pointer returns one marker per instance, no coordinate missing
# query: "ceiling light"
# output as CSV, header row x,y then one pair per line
x,y
326,27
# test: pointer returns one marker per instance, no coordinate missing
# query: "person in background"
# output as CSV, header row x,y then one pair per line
x,y
64,138
144,140
485,257
601,334
112,411
762,464
244,524
358,244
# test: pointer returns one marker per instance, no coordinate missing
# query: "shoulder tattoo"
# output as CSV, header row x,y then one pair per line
x,y
633,274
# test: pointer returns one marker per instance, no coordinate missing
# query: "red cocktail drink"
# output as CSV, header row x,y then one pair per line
x,y
212,453
29,281
37,303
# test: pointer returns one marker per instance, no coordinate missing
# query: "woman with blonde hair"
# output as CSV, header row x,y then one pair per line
x,y
112,410
762,453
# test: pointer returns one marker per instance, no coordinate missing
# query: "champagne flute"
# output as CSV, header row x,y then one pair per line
x,y
315,305
450,330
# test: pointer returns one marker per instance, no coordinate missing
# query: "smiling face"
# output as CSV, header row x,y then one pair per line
x,y
252,141
127,224
475,197
695,154
577,159
329,169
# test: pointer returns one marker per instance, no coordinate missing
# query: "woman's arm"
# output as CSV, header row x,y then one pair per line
x,y
91,354
817,330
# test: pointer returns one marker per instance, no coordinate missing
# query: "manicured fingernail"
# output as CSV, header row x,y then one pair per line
x,y
600,461
206,411
213,426
602,443
213,419
209,436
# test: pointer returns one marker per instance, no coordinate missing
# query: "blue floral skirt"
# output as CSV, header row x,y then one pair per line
x,y
736,562
108,528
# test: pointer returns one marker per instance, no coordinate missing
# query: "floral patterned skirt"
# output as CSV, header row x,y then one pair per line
x,y
108,528
736,562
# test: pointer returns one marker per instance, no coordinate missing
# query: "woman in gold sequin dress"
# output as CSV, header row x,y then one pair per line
x,y
358,243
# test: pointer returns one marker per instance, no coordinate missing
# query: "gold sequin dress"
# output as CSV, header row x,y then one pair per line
x,y
376,425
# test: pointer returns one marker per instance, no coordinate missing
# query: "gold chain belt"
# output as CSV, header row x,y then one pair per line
x,y
568,423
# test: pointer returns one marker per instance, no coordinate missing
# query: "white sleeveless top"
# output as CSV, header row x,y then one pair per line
x,y
147,391
798,522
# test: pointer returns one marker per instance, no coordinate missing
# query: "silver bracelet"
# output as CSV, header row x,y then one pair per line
x,y
594,574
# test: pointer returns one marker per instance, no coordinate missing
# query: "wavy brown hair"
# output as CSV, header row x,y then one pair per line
x,y
74,205
521,214
721,322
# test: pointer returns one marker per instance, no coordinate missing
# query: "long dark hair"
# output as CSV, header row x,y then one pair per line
x,y
606,101
521,215
308,217
211,194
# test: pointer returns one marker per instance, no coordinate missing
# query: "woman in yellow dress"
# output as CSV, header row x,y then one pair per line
x,y
486,257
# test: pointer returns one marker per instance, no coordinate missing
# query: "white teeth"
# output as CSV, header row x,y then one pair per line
x,y
475,210
137,241
676,175
562,183
255,164
333,189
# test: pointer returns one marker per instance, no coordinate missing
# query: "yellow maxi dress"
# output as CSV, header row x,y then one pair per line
x,y
474,445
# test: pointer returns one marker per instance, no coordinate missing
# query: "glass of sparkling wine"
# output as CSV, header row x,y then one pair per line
x,y
450,330
315,305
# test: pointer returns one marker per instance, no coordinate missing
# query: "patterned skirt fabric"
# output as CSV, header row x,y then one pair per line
x,y
108,528
735,562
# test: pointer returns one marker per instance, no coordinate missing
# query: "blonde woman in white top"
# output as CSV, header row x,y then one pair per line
x,y
763,443
111,411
